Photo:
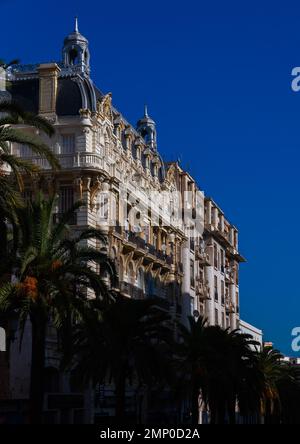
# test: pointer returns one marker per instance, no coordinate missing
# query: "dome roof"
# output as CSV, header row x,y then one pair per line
x,y
75,36
146,120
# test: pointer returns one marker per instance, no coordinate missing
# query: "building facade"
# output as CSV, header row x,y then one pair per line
x,y
165,236
253,331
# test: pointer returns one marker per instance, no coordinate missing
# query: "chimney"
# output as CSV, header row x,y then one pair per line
x,y
48,74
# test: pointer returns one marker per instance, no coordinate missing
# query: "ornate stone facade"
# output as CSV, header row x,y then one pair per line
x,y
131,193
118,172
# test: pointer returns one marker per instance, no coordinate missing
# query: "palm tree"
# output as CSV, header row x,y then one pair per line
x,y
214,363
11,116
277,374
228,361
190,361
53,271
127,344
289,393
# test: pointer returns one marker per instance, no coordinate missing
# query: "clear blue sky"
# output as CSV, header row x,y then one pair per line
x,y
216,76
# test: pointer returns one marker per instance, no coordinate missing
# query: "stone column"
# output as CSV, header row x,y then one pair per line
x,y
215,217
222,222
208,212
231,235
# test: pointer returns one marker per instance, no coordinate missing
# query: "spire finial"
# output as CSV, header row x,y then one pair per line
x,y
76,24
146,111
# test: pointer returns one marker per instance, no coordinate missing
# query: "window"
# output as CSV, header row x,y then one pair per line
x,y
192,305
147,233
66,201
222,292
68,144
192,273
103,206
215,256
154,243
216,317
222,261
227,322
216,288
223,320
20,150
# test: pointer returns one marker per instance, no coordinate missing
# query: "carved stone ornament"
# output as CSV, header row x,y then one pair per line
x,y
78,183
170,177
104,106
93,192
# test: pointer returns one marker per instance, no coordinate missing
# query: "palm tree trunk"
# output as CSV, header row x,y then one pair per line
x,y
120,398
38,323
195,404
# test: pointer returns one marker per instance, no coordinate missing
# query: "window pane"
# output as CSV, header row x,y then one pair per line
x,y
68,144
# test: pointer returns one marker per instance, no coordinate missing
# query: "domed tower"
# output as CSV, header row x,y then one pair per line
x,y
76,51
146,128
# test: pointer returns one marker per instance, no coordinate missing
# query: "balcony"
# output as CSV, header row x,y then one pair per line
x,y
117,229
131,290
229,307
221,234
133,242
228,275
75,160
202,291
57,217
129,241
202,256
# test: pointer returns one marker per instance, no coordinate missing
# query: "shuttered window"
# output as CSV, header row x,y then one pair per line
x,y
68,144
66,198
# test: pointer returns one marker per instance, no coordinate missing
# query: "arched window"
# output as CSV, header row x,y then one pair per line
x,y
140,279
131,273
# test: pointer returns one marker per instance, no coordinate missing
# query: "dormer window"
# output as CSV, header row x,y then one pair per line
x,y
147,162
